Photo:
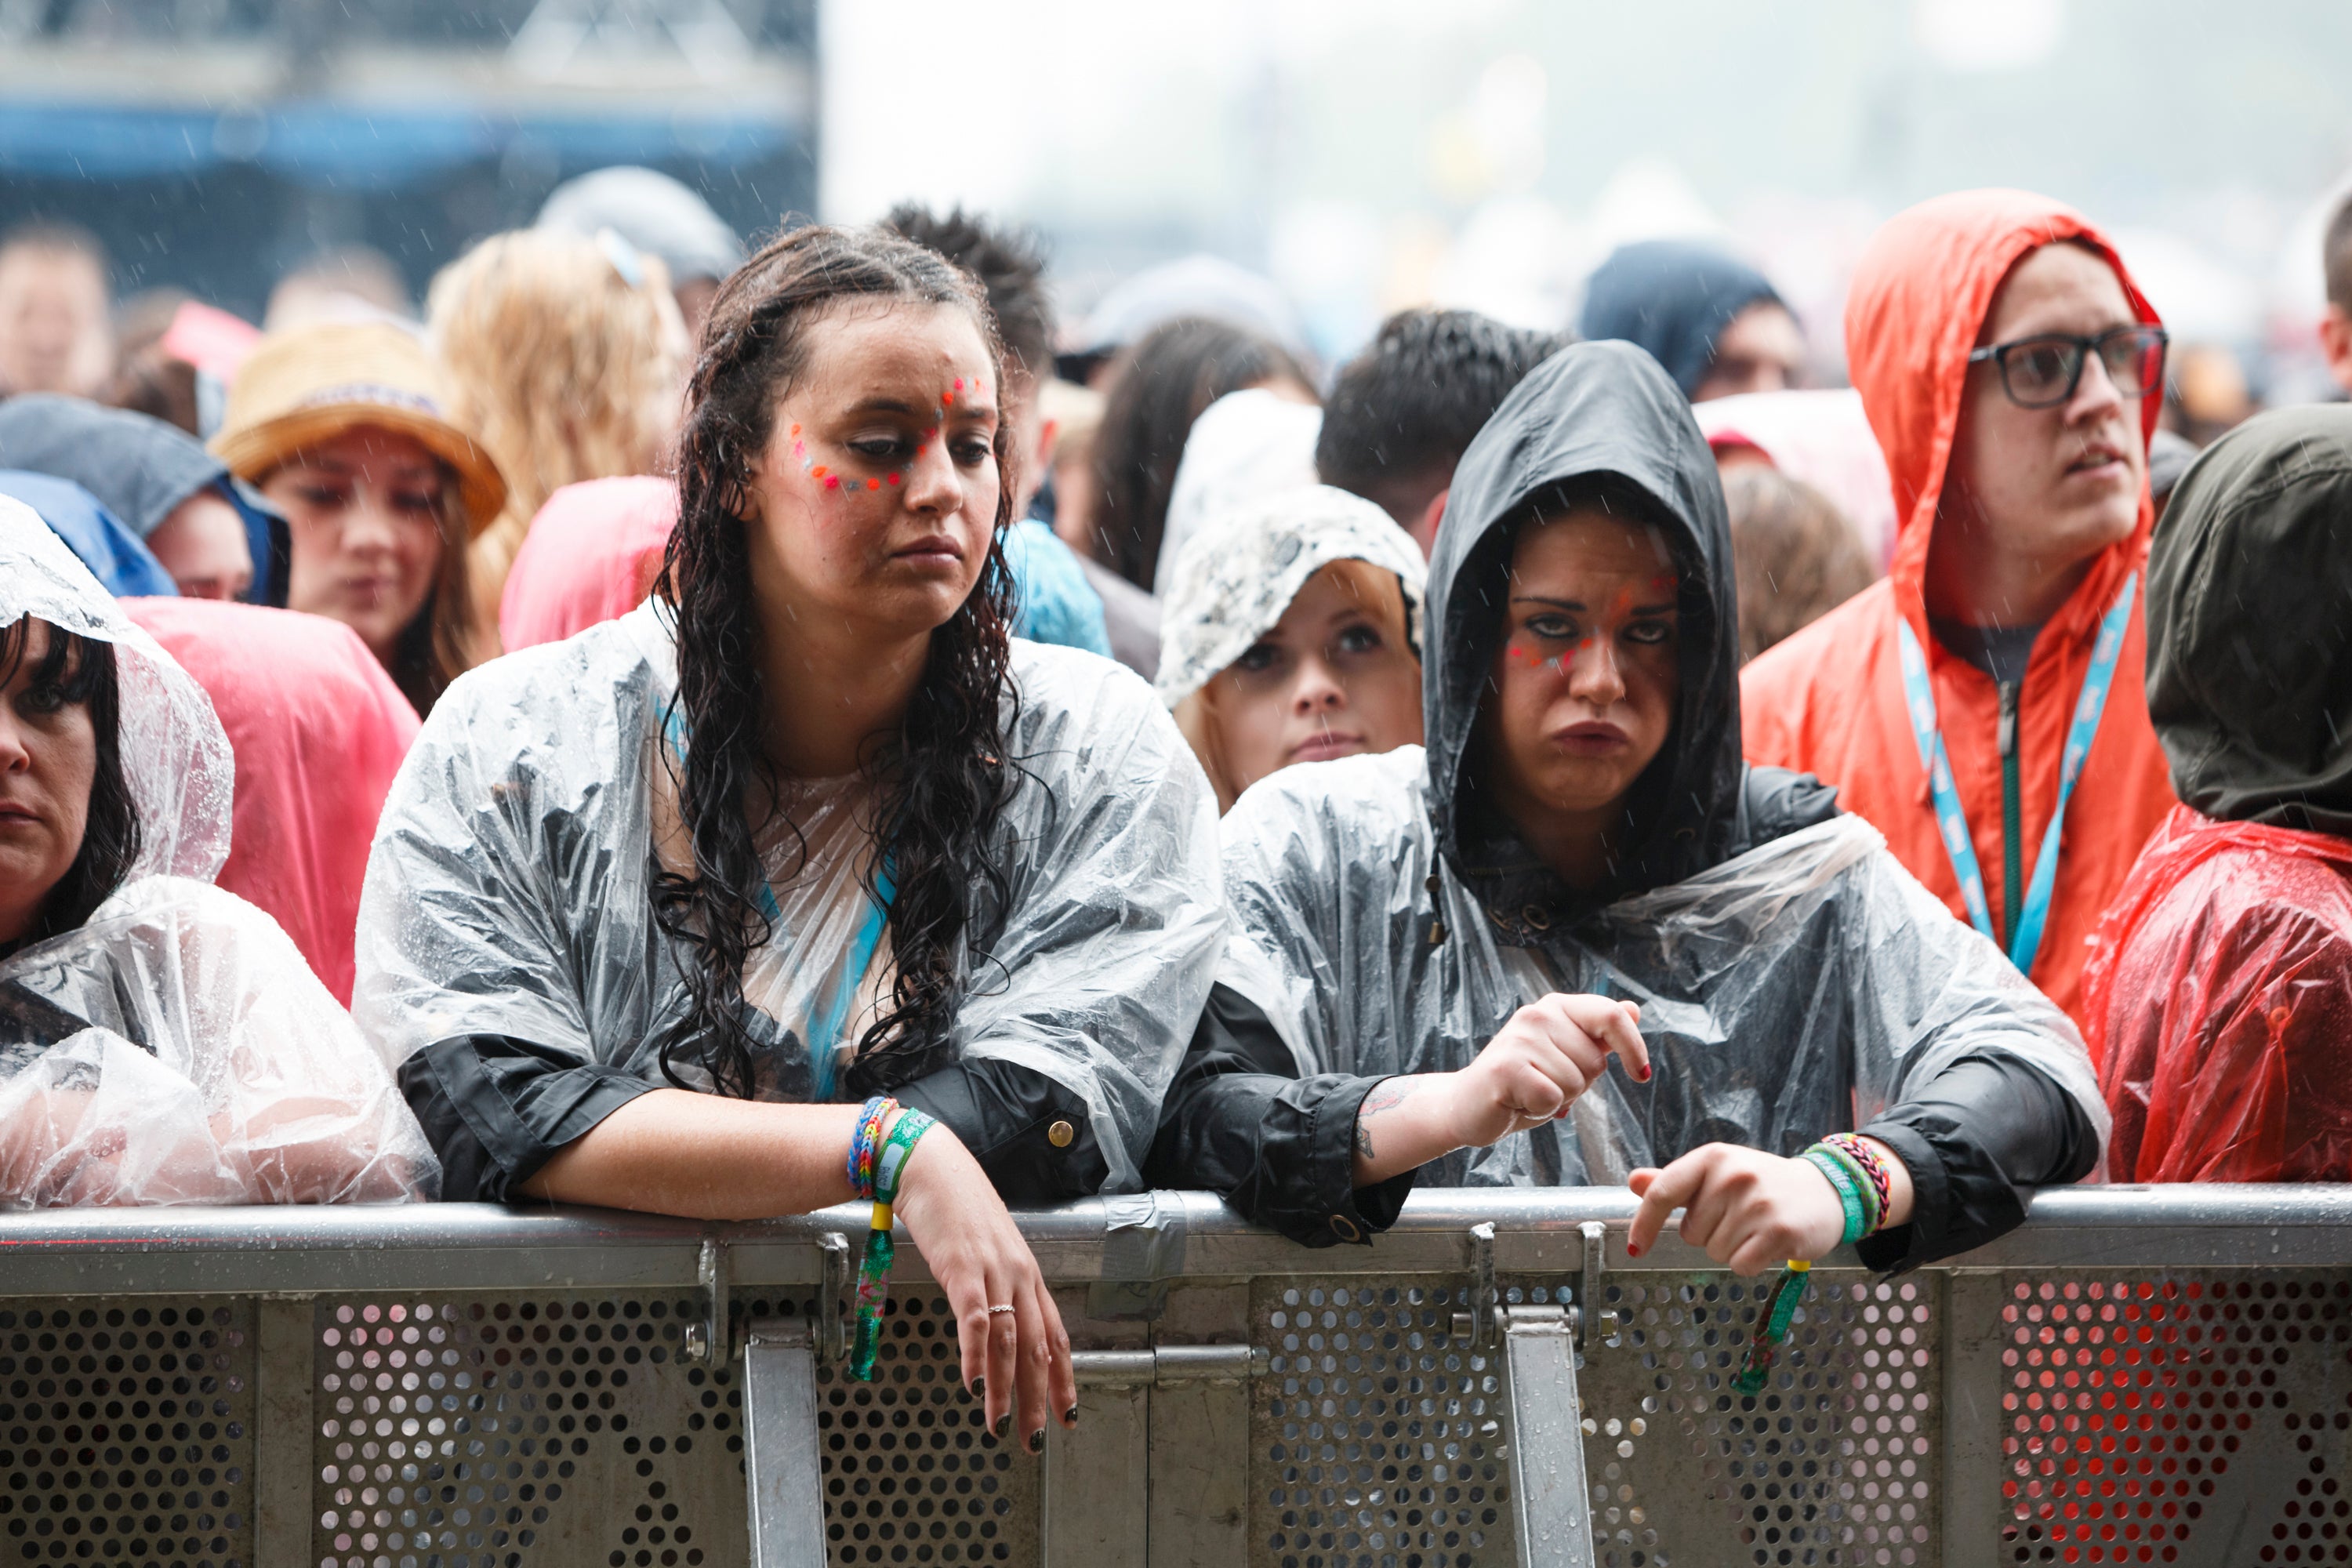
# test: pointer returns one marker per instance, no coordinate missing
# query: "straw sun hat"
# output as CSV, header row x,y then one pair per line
x,y
310,383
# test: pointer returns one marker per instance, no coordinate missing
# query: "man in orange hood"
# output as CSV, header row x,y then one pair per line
x,y
1983,705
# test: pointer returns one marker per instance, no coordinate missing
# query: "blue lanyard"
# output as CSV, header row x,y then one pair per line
x,y
1952,822
825,1030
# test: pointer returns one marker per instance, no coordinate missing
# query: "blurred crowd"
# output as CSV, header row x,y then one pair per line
x,y
2021,659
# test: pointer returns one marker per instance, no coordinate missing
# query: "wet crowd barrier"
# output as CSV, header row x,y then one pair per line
x,y
2135,1375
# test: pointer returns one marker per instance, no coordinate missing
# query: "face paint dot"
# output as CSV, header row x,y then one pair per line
x,y
958,384
874,484
947,398
818,470
796,429
832,481
894,478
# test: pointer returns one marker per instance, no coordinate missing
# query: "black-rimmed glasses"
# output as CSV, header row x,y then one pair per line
x,y
2042,371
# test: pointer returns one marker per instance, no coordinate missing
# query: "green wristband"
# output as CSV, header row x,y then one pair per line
x,y
890,1165
1863,1187
1843,1184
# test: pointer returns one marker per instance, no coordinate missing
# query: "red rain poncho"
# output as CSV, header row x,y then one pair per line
x,y
2220,996
319,729
2220,1000
1829,699
591,556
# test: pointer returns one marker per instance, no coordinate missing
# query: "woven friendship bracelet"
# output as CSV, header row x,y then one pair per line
x,y
861,1145
1872,1166
1871,1209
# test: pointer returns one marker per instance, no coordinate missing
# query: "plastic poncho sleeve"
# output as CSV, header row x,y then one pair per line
x,y
1979,1083
204,1065
465,979
1114,917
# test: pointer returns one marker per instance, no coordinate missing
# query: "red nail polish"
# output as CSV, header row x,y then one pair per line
x,y
1632,1250
1645,1072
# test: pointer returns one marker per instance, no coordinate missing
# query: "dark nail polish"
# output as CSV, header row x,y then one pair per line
x,y
1037,1441
1070,1417
1004,1425
979,1388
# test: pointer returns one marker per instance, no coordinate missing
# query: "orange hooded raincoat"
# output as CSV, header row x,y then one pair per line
x,y
1829,699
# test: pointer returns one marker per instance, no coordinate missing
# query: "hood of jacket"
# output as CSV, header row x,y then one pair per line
x,y
1674,299
2249,646
139,469
1592,410
1919,297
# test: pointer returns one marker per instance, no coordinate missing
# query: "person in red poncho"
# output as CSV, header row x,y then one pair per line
x,y
591,556
319,729
2220,991
2012,372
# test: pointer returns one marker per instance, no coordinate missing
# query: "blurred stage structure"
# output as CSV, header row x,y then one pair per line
x,y
212,143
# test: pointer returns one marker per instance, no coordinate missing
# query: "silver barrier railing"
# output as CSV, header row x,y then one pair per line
x,y
2135,1375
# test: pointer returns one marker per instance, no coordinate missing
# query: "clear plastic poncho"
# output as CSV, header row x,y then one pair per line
x,y
1801,987
510,892
176,1047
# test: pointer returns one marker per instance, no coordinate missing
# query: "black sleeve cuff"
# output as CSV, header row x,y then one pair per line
x,y
1906,1247
1978,1138
1032,1136
1280,1149
495,1109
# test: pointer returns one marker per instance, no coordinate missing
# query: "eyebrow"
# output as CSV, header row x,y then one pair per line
x,y
1580,606
900,405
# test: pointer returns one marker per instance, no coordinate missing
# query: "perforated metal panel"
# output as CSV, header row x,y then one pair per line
x,y
2178,1418
1833,1463
500,1431
911,1473
1376,1436
126,1433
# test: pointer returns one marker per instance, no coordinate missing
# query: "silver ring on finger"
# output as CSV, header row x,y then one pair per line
x,y
1006,1308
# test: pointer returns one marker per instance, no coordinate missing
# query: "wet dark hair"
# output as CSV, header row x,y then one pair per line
x,y
1011,269
1169,380
941,780
1404,410
81,670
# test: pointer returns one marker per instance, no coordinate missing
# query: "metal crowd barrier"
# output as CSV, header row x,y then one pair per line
x,y
2137,1375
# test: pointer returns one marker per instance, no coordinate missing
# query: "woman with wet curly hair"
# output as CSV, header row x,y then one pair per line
x,y
652,910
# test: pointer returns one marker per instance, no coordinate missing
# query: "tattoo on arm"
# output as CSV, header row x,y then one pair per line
x,y
1386,1095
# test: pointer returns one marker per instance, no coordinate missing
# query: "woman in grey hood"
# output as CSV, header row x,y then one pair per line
x,y
1437,953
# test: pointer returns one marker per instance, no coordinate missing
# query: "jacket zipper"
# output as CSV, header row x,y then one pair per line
x,y
2012,852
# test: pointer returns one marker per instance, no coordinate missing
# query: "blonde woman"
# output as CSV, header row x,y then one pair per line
x,y
566,355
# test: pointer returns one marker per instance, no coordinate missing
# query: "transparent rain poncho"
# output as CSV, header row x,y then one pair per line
x,y
1806,985
510,894
176,1047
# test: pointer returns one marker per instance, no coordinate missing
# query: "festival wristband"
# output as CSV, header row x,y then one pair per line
x,y
890,1165
1873,1207
873,1268
1772,1327
1843,1184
